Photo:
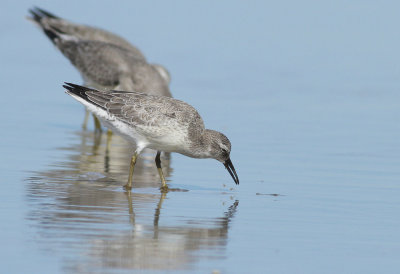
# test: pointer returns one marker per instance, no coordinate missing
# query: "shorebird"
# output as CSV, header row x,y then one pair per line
x,y
105,60
156,122
47,20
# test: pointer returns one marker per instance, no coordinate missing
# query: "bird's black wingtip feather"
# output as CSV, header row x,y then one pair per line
x,y
80,91
76,89
71,88
38,14
44,13
71,85
67,87
35,15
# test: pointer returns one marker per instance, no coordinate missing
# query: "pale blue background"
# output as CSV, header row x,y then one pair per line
x,y
307,92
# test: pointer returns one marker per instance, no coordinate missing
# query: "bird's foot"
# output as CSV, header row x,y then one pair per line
x,y
164,189
127,187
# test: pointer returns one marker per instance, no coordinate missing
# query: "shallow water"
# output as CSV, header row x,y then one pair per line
x,y
308,95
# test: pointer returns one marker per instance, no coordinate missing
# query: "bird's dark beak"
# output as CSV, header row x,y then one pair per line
x,y
231,169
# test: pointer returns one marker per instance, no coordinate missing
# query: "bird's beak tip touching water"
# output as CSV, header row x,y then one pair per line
x,y
231,169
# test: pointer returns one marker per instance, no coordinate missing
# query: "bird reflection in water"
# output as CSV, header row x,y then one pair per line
x,y
92,157
80,213
167,247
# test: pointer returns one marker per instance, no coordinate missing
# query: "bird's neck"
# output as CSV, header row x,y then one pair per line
x,y
201,147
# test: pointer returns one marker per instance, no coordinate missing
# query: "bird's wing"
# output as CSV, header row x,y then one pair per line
x,y
101,64
142,111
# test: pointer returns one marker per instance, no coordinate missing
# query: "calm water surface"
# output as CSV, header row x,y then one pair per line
x,y
308,94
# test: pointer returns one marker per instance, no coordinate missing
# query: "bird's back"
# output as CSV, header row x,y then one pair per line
x,y
105,60
99,63
157,120
47,20
108,66
146,111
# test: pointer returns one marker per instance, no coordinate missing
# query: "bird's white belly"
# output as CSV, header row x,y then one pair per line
x,y
168,143
122,129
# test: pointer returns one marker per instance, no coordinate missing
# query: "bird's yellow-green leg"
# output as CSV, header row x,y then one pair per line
x,y
96,143
109,135
84,125
97,125
131,213
161,200
164,186
128,186
157,213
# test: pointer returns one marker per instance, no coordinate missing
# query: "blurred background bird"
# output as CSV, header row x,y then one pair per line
x,y
105,60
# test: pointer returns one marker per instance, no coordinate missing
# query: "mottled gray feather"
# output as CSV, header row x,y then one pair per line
x,y
111,66
141,110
